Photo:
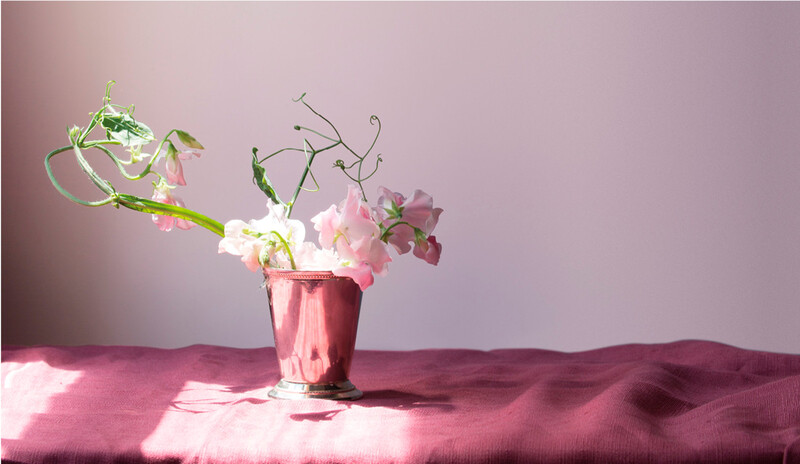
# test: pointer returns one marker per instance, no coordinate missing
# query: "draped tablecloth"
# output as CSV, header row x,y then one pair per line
x,y
689,401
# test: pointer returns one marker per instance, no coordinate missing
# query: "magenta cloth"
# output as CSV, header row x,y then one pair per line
x,y
689,401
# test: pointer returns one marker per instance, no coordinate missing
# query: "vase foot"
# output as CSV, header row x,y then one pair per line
x,y
286,390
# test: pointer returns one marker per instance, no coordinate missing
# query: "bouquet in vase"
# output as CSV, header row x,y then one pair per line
x,y
354,238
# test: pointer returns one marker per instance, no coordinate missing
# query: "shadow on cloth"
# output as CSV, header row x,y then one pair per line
x,y
390,399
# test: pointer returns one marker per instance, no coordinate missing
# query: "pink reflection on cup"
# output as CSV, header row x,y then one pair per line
x,y
314,320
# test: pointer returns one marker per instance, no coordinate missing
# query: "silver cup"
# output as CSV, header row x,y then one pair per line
x,y
314,320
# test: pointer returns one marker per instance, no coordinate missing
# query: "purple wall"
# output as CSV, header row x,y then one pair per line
x,y
610,173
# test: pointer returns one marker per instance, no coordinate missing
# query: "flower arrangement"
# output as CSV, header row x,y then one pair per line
x,y
354,238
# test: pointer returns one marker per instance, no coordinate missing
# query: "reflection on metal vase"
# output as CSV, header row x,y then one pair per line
x,y
314,319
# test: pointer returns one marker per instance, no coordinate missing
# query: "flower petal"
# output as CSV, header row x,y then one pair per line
x,y
174,169
429,250
186,155
361,273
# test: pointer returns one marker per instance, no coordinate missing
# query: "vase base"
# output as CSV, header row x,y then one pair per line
x,y
286,390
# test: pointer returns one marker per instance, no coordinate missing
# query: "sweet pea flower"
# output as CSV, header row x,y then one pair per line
x,y
355,235
173,164
351,220
404,217
270,241
162,194
309,257
238,243
416,210
281,236
428,250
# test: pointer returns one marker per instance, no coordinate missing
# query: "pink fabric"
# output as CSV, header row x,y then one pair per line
x,y
688,401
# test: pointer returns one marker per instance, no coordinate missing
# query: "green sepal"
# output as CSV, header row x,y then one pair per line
x,y
385,234
394,211
262,181
419,235
171,150
188,140
126,130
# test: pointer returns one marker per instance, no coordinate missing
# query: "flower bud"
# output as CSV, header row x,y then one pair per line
x,y
136,154
74,133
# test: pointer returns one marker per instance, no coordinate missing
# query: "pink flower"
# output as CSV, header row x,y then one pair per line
x,y
428,249
361,273
162,194
355,235
417,212
351,220
174,166
369,250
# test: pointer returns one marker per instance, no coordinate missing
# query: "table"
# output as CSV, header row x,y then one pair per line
x,y
688,401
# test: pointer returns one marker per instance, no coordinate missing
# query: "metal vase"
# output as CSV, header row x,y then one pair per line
x,y
314,319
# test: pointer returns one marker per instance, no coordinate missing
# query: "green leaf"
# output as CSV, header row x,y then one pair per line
x,y
262,181
126,130
188,140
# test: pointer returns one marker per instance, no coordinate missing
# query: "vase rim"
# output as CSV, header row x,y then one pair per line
x,y
300,274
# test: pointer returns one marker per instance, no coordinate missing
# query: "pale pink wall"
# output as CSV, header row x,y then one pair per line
x,y
610,173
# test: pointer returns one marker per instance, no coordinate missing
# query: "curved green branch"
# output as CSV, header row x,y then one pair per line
x,y
149,206
61,189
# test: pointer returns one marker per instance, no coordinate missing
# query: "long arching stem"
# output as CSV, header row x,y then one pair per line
x,y
123,129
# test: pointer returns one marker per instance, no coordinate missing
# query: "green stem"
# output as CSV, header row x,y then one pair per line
x,y
296,149
349,176
286,247
320,116
118,162
155,155
377,163
385,233
92,125
377,134
92,143
101,183
149,206
315,132
61,189
279,151
361,158
302,179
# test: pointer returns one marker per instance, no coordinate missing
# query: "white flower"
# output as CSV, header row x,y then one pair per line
x,y
266,242
310,258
